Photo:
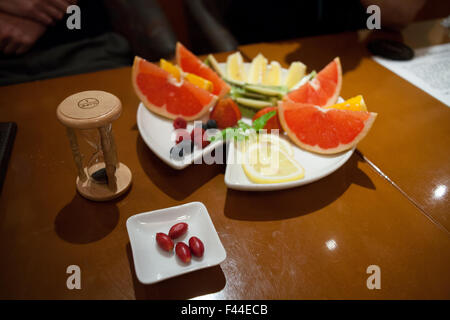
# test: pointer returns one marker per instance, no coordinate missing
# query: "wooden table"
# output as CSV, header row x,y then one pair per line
x,y
410,141
310,242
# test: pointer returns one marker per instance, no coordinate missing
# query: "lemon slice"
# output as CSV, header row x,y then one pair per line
x,y
265,163
278,142
296,72
353,104
265,138
257,69
273,74
235,67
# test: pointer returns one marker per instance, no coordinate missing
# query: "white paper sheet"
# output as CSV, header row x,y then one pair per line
x,y
429,70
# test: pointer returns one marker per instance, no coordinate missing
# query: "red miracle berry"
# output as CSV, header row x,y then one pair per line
x,y
164,241
196,246
178,230
183,252
179,123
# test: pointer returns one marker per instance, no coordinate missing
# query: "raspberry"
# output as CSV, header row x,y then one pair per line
x,y
179,123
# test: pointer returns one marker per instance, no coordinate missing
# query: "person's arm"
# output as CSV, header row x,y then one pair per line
x,y
396,13
17,35
145,26
42,11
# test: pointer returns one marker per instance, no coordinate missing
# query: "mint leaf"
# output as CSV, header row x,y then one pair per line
x,y
242,125
224,134
259,123
242,131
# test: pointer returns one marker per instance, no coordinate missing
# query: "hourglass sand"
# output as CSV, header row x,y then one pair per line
x,y
90,114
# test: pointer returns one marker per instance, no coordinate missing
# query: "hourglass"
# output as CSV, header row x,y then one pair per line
x,y
89,114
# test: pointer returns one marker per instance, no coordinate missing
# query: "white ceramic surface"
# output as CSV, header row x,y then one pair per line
x,y
152,264
316,167
158,134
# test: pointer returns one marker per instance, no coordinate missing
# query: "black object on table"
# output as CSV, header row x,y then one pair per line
x,y
7,134
390,49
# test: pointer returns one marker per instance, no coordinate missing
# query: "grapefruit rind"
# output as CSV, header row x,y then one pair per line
x,y
316,148
162,109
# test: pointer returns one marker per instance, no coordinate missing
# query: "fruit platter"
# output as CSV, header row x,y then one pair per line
x,y
282,127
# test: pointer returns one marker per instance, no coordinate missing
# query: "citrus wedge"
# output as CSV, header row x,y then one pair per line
x,y
199,82
170,68
278,142
321,130
323,90
267,138
273,74
162,94
265,163
353,104
190,63
257,69
296,72
176,72
235,67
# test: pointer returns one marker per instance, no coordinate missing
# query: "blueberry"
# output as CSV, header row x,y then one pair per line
x,y
204,126
211,124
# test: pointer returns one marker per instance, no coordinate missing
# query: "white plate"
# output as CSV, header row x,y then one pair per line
x,y
316,167
156,132
153,264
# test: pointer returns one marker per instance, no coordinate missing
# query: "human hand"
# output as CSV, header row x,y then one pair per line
x,y
42,11
18,35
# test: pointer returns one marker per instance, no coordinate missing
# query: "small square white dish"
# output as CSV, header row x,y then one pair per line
x,y
152,264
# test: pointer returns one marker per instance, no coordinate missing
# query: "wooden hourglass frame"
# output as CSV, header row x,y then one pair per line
x,y
95,110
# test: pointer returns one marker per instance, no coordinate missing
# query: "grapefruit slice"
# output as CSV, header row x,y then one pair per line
x,y
322,130
162,94
190,63
324,89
